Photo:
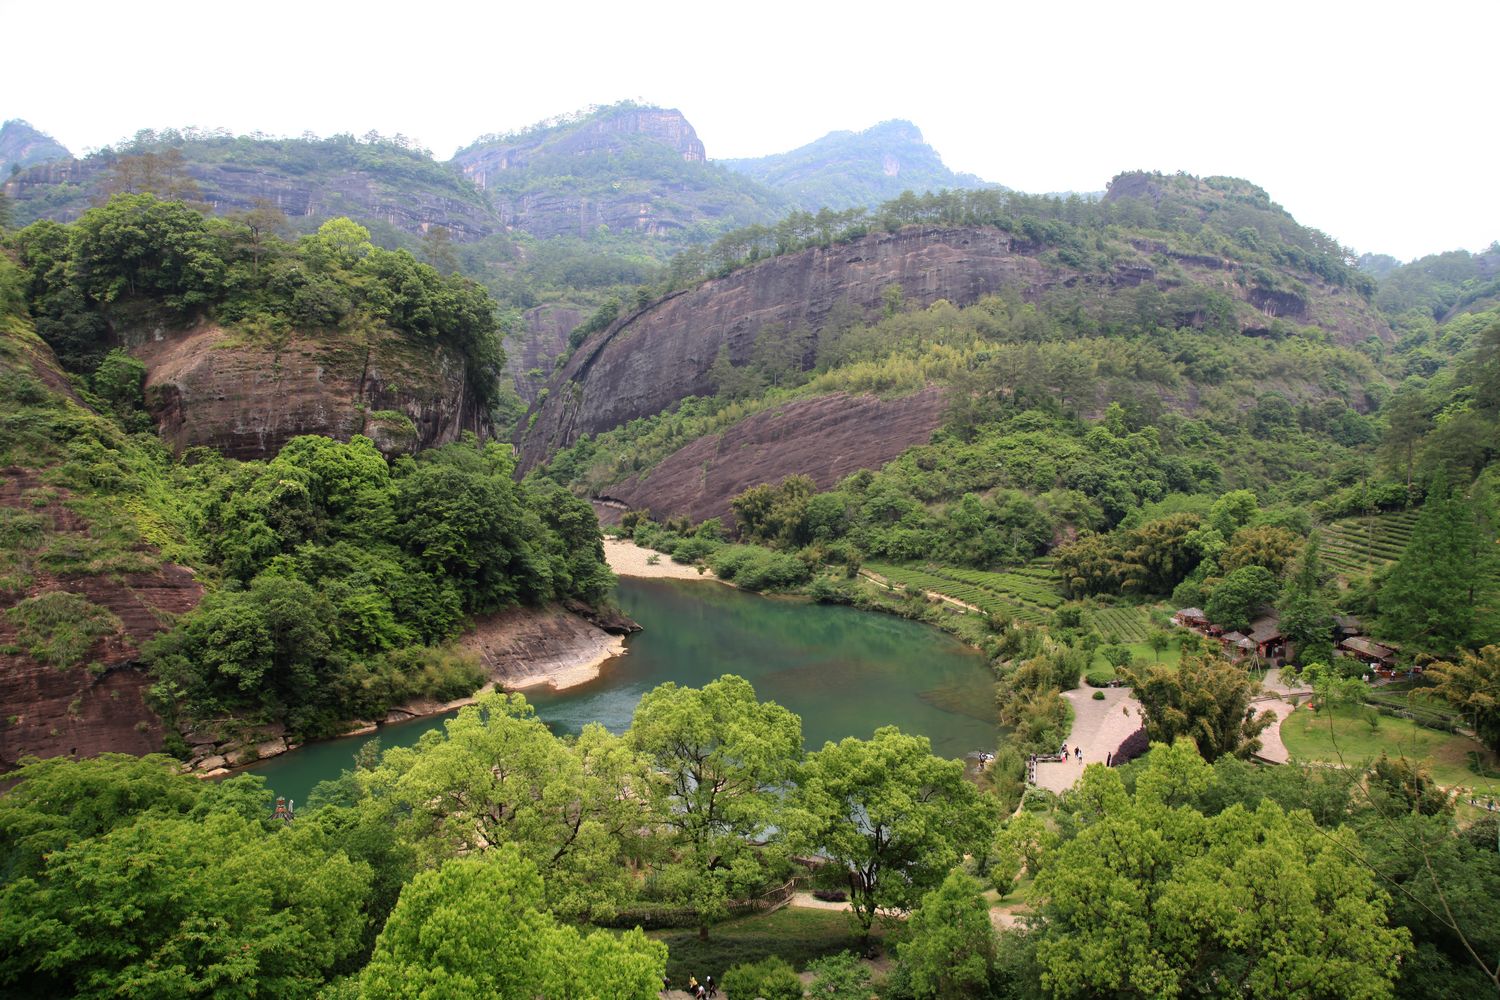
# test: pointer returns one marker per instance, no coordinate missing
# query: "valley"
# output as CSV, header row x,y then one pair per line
x,y
309,437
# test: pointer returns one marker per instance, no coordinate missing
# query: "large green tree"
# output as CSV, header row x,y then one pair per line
x,y
478,927
172,906
1471,684
1154,899
1429,600
725,763
891,816
496,775
949,951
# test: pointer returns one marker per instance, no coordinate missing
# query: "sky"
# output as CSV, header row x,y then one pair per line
x,y
1375,123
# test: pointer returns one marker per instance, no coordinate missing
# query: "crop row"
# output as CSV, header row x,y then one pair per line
x,y
1129,624
984,599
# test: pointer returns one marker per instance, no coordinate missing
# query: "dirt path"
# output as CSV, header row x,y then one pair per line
x,y
930,594
1098,727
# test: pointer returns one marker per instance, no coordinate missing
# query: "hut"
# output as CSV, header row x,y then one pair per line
x,y
1265,633
1193,618
1237,645
1377,654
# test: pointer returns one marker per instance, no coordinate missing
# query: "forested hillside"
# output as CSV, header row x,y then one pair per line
x,y
312,587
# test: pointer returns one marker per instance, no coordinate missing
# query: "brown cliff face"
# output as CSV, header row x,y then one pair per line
x,y
99,704
652,357
826,438
206,386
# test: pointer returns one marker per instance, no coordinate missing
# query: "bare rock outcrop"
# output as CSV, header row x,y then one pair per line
x,y
652,357
206,386
524,647
826,438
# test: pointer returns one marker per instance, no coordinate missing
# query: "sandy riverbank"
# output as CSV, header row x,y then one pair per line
x,y
629,559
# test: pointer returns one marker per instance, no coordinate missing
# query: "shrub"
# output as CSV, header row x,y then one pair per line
x,y
1132,747
1098,695
1099,677
771,979
755,568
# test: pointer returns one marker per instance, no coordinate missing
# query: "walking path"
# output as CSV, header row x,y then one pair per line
x,y
1098,727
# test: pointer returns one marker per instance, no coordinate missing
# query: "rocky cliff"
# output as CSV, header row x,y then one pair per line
x,y
95,702
311,181
826,438
651,358
624,168
536,346
206,386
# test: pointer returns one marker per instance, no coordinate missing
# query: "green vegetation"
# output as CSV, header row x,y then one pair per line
x,y
1353,736
60,628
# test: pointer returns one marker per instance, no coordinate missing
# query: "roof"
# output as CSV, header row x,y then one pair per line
x,y
1191,613
1369,647
1237,639
1263,629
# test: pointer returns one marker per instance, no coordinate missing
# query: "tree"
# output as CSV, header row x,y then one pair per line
x,y
1237,598
1160,640
1429,598
725,761
477,927
184,906
1471,684
139,246
1306,612
949,952
1021,843
496,776
1263,545
1153,898
892,817
1206,699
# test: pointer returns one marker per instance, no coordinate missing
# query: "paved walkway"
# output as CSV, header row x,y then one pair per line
x,y
1098,726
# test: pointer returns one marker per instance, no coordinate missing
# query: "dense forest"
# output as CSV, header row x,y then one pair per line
x,y
1299,437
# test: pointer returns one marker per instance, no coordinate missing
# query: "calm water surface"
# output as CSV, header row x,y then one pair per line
x,y
845,672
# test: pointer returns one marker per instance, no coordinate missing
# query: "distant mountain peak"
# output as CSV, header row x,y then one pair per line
x,y
844,169
23,145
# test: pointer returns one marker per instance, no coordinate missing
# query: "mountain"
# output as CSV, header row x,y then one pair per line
x,y
846,169
1123,270
22,146
626,168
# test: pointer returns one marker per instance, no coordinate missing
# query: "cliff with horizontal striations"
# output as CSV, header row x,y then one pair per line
x,y
245,398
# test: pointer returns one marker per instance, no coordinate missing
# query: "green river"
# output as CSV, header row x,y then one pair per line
x,y
845,672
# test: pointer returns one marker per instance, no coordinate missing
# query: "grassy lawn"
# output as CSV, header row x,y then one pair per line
x,y
1170,657
1349,738
795,934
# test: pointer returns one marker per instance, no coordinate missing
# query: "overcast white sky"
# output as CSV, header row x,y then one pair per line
x,y
1376,123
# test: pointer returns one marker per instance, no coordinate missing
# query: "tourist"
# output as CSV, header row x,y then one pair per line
x,y
708,986
1079,751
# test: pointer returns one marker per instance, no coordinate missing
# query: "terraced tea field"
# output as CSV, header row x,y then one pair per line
x,y
1355,546
1127,625
1027,595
